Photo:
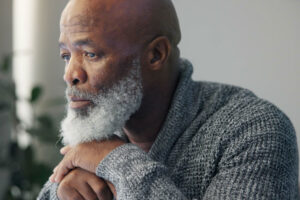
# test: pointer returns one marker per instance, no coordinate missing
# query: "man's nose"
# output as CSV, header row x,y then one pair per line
x,y
75,74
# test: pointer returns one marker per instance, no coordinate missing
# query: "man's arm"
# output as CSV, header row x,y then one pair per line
x,y
136,176
133,174
259,162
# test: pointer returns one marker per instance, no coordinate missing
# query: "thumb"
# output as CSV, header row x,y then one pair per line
x,y
65,149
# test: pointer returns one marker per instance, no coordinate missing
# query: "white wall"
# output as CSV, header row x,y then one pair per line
x,y
250,43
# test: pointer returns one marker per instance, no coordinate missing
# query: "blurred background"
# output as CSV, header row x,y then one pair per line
x,y
254,44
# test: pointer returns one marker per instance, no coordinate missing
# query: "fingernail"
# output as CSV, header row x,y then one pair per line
x,y
51,178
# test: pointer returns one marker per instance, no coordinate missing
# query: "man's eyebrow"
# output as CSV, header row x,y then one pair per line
x,y
83,42
78,43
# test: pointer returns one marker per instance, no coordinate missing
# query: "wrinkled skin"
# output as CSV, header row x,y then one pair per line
x,y
98,40
81,184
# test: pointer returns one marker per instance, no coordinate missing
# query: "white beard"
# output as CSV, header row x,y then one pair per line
x,y
109,114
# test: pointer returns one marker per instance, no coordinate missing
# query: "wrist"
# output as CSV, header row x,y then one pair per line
x,y
106,148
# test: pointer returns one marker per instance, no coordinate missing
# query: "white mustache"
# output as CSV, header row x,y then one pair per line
x,y
73,91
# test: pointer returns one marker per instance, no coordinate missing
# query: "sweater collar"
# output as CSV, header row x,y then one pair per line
x,y
178,117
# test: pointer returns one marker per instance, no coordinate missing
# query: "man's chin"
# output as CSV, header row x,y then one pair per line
x,y
80,104
83,110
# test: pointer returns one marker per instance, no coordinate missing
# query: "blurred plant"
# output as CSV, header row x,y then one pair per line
x,y
27,175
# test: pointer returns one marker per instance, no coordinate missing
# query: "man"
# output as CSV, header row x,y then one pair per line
x,y
138,127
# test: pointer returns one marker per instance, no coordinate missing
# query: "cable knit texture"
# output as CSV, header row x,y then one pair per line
x,y
217,142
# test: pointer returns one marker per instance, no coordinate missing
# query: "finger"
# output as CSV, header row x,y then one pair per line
x,y
112,188
65,149
101,189
62,170
69,193
86,191
55,169
51,178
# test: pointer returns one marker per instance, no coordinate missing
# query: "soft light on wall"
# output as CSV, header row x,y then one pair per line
x,y
254,44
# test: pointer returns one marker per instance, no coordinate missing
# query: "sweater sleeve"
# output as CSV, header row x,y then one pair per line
x,y
261,162
136,176
48,192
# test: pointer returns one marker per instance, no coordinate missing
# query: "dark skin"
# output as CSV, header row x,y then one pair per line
x,y
98,39
82,184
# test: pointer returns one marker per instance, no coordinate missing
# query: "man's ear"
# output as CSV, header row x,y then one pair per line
x,y
158,53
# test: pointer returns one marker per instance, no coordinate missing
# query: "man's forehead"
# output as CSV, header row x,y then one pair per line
x,y
78,23
79,16
79,20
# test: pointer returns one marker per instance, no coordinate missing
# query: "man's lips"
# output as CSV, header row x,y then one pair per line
x,y
77,103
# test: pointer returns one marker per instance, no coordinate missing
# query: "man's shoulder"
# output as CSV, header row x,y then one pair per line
x,y
230,119
231,109
236,133
220,93
220,97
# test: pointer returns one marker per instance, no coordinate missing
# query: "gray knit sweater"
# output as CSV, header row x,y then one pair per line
x,y
217,142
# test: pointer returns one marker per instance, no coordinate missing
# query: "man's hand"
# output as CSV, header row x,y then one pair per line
x,y
80,184
86,156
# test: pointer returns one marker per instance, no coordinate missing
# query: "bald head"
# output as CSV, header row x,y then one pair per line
x,y
136,21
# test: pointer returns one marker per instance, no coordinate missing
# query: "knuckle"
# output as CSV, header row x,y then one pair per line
x,y
71,196
101,192
65,184
61,192
95,198
76,159
75,197
77,174
74,173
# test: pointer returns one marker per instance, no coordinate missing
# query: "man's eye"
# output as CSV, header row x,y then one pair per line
x,y
65,57
89,54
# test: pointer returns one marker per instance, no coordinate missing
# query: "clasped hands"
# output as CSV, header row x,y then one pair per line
x,y
76,173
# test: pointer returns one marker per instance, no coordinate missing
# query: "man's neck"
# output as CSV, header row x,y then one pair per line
x,y
143,127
